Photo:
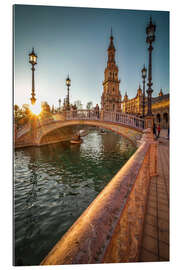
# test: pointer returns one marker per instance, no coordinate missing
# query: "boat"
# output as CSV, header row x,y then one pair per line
x,y
76,140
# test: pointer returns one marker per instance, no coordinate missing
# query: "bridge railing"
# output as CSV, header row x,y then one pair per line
x,y
116,117
125,119
82,115
21,131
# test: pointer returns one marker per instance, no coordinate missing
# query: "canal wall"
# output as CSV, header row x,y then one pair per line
x,y
110,229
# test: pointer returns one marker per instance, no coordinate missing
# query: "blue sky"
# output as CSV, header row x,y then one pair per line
x,y
75,41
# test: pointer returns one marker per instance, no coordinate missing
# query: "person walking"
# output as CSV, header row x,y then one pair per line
x,y
159,130
154,129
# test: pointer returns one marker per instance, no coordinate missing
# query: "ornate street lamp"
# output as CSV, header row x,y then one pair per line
x,y
144,74
33,62
68,83
150,30
59,104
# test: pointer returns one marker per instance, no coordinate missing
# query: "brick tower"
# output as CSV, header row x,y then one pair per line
x,y
111,97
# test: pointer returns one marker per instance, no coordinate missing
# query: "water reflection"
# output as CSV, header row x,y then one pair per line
x,y
54,184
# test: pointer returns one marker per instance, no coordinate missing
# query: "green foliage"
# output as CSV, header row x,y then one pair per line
x,y
89,105
21,115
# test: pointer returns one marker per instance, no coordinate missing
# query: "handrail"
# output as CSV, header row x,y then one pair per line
x,y
108,116
23,130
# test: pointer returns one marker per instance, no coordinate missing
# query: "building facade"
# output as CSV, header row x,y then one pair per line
x,y
160,107
134,105
111,96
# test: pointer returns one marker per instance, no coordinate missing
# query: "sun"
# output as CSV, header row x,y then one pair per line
x,y
35,108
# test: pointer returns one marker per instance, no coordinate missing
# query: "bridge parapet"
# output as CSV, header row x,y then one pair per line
x,y
128,126
116,117
110,229
23,130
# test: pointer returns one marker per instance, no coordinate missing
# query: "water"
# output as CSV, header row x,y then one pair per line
x,y
55,183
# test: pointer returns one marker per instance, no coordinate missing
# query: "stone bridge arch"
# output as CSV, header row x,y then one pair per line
x,y
131,133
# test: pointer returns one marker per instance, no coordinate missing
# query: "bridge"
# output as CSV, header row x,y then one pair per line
x,y
36,132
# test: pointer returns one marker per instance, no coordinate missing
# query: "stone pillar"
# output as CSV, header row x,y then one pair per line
x,y
153,158
149,137
102,115
149,122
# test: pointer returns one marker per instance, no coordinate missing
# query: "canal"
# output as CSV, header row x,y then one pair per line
x,y
54,184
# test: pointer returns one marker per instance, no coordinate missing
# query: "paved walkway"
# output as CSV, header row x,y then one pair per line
x,y
155,243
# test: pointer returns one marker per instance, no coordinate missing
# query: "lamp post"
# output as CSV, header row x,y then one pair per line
x,y
59,104
68,83
33,62
150,30
144,73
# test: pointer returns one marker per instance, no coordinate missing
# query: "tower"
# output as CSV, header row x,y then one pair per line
x,y
111,97
161,93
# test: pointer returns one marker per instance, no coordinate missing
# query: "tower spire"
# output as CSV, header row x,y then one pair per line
x,y
111,32
111,97
111,44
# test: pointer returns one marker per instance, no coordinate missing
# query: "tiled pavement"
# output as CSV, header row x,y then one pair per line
x,y
155,242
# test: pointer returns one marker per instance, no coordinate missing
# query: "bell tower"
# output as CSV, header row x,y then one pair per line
x,y
111,97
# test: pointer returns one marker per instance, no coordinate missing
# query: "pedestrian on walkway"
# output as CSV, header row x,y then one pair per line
x,y
154,129
159,130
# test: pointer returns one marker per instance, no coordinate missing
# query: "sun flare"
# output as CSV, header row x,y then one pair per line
x,y
35,108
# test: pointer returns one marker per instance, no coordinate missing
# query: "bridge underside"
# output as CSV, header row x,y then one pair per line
x,y
49,133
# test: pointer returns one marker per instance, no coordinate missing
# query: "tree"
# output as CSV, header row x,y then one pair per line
x,y
21,116
45,107
17,114
45,110
16,108
89,105
26,110
78,104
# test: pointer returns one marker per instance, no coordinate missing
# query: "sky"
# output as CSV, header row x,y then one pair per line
x,y
74,41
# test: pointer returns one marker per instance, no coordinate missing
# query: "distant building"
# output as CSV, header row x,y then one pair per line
x,y
134,105
111,97
160,106
160,109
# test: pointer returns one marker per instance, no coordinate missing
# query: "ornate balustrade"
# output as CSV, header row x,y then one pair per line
x,y
121,118
21,131
116,117
110,229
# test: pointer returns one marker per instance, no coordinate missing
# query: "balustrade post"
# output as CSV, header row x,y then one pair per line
x,y
102,115
149,137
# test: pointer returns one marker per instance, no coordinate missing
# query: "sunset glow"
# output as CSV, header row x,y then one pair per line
x,y
36,108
